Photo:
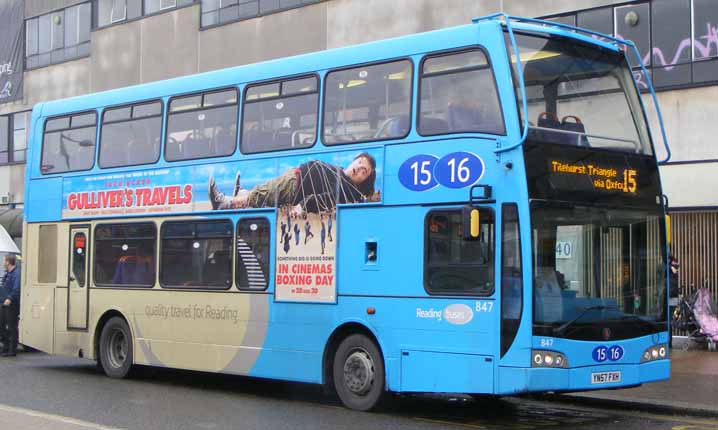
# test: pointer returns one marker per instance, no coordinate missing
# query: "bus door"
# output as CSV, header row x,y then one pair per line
x,y
78,279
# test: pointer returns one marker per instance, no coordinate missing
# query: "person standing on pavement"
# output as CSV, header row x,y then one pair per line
x,y
10,298
673,292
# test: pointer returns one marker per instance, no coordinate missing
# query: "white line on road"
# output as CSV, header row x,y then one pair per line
x,y
54,417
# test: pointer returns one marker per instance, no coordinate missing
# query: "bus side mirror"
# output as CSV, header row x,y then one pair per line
x,y
470,223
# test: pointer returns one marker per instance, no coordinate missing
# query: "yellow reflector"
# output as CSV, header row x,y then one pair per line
x,y
533,55
474,223
668,228
355,83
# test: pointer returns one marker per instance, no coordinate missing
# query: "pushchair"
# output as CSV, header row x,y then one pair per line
x,y
698,317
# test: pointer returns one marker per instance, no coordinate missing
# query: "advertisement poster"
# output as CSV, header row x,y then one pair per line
x,y
305,190
305,267
12,49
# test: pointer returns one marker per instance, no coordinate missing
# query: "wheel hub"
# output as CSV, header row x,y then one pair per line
x,y
118,349
359,372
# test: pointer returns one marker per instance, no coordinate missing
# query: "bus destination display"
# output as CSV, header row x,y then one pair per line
x,y
603,178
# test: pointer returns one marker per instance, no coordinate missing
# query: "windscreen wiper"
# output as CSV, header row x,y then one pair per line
x,y
559,331
643,320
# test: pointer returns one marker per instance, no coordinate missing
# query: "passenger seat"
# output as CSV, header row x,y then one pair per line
x,y
575,126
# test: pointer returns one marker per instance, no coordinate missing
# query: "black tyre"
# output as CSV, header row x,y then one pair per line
x,y
115,356
359,373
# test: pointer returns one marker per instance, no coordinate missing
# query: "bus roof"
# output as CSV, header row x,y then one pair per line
x,y
295,65
267,70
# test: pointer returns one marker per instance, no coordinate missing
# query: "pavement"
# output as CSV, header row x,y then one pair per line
x,y
691,390
21,418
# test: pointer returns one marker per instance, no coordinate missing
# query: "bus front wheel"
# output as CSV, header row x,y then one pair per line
x,y
359,373
116,348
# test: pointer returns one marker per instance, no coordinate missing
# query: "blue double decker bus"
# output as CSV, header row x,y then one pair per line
x,y
474,210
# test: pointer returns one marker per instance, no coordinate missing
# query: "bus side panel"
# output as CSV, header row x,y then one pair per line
x,y
457,373
36,315
412,327
39,275
414,335
71,343
295,341
45,200
36,320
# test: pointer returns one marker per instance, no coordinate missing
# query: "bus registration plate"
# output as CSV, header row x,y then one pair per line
x,y
605,377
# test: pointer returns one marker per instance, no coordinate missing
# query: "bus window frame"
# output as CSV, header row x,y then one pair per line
x,y
454,51
425,260
233,246
280,81
510,205
132,106
201,93
122,286
75,231
69,116
356,66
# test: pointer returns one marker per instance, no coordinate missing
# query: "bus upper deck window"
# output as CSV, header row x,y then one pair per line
x,y
579,95
202,126
130,135
280,115
69,143
458,95
366,103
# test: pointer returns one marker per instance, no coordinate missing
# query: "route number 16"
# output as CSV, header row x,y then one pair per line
x,y
459,169
463,172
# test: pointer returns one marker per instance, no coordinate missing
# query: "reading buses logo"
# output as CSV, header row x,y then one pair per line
x,y
457,314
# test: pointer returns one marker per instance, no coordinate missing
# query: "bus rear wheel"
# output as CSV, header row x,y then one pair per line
x,y
116,348
358,372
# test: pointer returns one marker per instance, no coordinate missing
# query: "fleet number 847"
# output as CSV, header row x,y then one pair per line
x,y
484,306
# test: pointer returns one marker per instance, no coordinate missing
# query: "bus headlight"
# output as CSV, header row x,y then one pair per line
x,y
656,352
554,359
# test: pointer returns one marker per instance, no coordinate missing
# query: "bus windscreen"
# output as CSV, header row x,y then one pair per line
x,y
597,270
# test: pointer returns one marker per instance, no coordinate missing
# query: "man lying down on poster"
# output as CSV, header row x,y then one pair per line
x,y
315,186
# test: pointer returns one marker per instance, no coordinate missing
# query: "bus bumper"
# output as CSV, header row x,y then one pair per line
x,y
582,379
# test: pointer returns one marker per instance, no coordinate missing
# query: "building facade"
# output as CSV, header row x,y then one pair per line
x,y
51,49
